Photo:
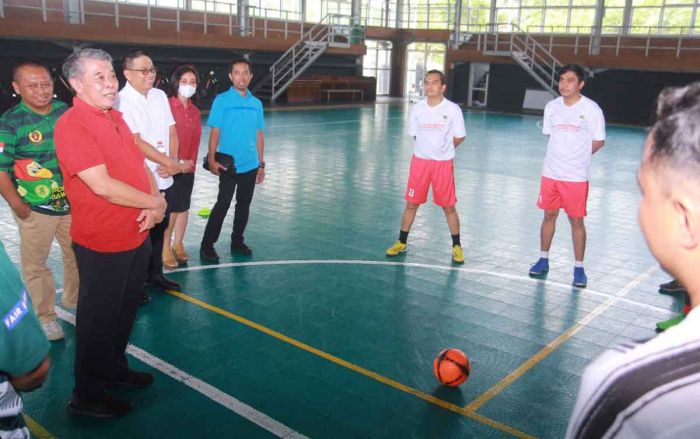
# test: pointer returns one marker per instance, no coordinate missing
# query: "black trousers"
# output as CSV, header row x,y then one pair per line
x,y
111,285
245,183
155,265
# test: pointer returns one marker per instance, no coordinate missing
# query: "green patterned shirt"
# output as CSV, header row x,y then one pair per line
x,y
28,155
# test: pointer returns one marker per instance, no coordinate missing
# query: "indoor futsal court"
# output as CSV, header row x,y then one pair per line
x,y
319,334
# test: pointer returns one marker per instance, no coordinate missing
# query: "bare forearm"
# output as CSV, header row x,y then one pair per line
x,y
213,141
8,191
174,145
457,141
261,146
597,144
153,154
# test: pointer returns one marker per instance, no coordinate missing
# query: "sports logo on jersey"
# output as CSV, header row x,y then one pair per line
x,y
444,117
35,136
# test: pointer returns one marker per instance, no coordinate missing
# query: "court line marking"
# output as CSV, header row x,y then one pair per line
x,y
36,429
348,365
560,285
211,392
337,122
553,345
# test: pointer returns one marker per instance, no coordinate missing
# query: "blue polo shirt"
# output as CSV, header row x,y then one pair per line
x,y
239,119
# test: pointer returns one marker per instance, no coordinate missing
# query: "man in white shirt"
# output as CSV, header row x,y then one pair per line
x,y
576,129
437,125
147,112
652,389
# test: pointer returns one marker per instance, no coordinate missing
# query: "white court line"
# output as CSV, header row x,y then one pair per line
x,y
338,122
431,266
211,392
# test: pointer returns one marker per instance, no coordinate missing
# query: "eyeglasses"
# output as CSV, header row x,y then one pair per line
x,y
145,71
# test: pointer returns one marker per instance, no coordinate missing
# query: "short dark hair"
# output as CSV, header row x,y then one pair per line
x,y
576,69
177,75
443,80
240,60
131,55
29,62
676,133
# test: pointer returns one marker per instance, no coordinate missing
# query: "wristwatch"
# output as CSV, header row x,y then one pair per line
x,y
261,165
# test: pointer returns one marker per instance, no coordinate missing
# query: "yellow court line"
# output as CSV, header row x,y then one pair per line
x,y
551,347
36,429
359,369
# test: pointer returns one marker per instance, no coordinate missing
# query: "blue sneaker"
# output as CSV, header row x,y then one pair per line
x,y
541,267
580,279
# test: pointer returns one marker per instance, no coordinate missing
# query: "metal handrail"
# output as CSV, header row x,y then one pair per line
x,y
646,43
322,33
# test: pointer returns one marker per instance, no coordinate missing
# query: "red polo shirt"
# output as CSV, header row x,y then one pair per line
x,y
188,124
86,137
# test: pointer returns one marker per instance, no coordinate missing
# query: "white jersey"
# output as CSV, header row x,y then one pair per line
x,y
571,131
435,129
150,117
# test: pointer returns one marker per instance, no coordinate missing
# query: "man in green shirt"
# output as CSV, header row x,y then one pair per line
x,y
24,350
32,184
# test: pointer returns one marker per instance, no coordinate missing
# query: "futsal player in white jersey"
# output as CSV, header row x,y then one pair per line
x,y
576,129
437,125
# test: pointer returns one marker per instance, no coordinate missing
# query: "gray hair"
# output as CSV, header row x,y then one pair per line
x,y
73,66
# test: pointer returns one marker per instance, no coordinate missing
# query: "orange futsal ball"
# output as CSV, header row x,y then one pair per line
x,y
451,367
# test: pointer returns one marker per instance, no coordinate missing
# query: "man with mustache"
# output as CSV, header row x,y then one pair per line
x,y
32,184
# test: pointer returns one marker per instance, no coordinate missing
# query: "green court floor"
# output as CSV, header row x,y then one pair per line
x,y
319,334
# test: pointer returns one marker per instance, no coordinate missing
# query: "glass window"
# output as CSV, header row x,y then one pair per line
x,y
377,63
420,58
556,20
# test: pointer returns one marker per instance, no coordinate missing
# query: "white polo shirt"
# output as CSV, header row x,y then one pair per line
x,y
151,118
571,131
435,129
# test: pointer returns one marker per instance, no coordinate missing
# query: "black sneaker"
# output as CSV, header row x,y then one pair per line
x,y
208,254
241,249
132,379
107,407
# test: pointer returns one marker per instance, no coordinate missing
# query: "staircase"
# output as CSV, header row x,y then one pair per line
x,y
333,30
526,52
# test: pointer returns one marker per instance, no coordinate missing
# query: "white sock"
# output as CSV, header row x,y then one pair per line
x,y
544,255
578,264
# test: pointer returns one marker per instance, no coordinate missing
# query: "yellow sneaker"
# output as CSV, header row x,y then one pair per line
x,y
457,254
398,247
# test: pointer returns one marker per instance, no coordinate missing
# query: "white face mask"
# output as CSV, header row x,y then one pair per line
x,y
186,90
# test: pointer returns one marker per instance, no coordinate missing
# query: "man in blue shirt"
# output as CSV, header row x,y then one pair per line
x,y
236,121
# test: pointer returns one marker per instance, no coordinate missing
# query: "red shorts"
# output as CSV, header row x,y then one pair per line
x,y
571,195
436,173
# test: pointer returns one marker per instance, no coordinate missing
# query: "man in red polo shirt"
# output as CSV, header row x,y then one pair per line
x,y
114,202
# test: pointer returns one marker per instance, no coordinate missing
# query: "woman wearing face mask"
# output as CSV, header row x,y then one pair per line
x,y
188,123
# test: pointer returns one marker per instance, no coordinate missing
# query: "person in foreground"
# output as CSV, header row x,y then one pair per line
x,y
652,388
24,350
115,202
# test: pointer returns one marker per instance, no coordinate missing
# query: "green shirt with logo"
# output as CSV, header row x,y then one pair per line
x,y
28,155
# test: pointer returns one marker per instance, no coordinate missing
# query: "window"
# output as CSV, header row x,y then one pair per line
x,y
377,63
420,58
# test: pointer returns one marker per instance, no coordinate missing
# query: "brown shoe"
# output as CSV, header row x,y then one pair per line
x,y
180,253
169,260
